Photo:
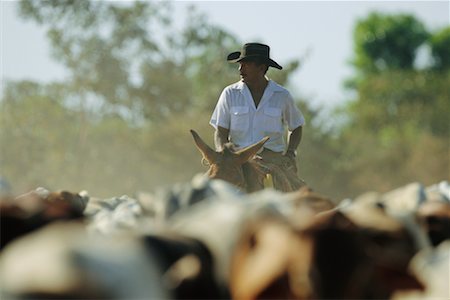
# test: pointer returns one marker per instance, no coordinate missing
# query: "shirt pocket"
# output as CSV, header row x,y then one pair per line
x,y
272,119
240,118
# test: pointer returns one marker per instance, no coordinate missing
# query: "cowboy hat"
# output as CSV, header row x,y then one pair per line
x,y
251,51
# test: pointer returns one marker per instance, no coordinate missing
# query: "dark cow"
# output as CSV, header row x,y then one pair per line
x,y
35,209
187,266
435,218
62,261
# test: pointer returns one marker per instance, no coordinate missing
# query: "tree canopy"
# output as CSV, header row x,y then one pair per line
x,y
130,55
399,110
384,42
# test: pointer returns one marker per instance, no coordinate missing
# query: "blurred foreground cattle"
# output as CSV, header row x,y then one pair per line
x,y
327,256
206,240
60,261
30,211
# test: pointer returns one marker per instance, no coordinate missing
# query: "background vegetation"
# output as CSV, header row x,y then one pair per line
x,y
120,122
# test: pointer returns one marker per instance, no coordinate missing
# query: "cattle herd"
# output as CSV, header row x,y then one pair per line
x,y
204,239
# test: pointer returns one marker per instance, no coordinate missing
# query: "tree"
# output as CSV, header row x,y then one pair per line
x,y
396,106
129,56
39,135
384,42
440,45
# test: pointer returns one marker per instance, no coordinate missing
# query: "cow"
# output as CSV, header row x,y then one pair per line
x,y
431,267
434,216
186,265
62,261
205,240
330,254
427,208
181,267
32,210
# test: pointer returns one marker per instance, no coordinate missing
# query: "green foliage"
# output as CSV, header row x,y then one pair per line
x,y
44,143
440,49
30,145
397,127
384,42
103,45
397,131
396,98
129,55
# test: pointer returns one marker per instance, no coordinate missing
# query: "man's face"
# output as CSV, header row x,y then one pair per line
x,y
250,71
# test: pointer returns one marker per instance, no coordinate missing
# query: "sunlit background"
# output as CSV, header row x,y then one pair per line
x,y
100,95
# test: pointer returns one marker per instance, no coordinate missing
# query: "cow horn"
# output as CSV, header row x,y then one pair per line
x,y
248,152
208,153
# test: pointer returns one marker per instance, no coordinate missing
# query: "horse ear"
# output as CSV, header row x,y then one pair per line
x,y
250,151
208,153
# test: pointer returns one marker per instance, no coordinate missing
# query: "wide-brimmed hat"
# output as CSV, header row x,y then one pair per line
x,y
252,51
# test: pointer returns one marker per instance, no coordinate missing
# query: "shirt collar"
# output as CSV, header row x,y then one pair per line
x,y
271,86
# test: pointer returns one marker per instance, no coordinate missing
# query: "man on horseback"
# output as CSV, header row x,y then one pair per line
x,y
255,107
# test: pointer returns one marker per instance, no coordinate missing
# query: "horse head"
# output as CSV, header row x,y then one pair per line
x,y
227,163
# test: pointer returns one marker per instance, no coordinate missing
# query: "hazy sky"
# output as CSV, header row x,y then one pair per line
x,y
318,31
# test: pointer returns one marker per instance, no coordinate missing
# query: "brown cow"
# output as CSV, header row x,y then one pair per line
x,y
35,209
326,256
434,216
62,261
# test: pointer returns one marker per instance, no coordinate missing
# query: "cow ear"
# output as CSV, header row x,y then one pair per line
x,y
250,151
208,153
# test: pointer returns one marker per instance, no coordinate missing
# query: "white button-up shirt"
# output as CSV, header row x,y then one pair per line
x,y
248,124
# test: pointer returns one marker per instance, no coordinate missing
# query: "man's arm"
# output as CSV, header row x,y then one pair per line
x,y
221,137
294,141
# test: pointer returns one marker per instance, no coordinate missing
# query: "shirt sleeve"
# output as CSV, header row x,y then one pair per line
x,y
292,114
221,114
